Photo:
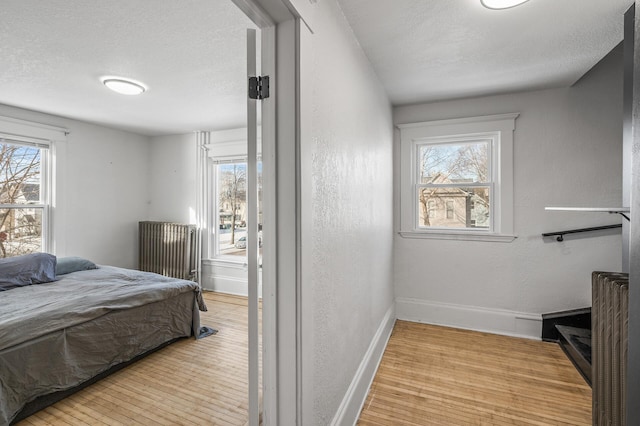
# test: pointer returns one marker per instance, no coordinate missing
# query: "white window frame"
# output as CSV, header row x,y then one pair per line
x,y
224,147
45,187
496,128
449,210
53,139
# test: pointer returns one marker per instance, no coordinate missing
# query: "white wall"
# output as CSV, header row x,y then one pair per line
x,y
102,191
346,195
567,152
172,178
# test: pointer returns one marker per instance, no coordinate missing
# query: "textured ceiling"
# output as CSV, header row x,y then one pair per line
x,y
190,54
427,50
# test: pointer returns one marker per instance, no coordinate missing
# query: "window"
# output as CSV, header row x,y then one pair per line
x,y
431,214
449,209
24,197
457,179
226,195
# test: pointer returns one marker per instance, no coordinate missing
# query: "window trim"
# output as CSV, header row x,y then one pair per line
x,y
45,188
46,173
501,128
224,147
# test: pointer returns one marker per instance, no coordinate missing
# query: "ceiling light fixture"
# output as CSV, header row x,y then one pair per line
x,y
501,4
124,86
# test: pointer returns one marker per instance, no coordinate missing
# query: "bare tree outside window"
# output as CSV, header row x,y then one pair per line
x,y
233,196
232,208
454,178
21,207
232,203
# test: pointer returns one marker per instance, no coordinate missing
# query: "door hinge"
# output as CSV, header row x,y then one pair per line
x,y
259,87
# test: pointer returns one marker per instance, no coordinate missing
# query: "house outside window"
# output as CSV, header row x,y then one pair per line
x,y
24,197
457,179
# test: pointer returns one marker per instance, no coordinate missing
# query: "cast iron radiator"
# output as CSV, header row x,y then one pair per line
x,y
609,319
168,249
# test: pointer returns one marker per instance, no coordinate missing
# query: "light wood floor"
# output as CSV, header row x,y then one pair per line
x,y
190,382
429,375
432,375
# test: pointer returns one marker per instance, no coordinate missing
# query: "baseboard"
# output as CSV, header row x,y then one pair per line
x,y
356,395
496,321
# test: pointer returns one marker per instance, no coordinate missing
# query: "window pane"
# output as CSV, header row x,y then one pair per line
x,y
232,203
20,231
454,207
20,176
232,208
454,163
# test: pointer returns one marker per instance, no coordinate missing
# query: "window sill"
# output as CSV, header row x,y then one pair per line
x,y
458,236
227,262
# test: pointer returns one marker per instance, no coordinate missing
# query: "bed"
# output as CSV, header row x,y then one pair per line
x,y
59,335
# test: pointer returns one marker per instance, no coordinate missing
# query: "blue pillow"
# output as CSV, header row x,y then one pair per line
x,y
66,265
34,268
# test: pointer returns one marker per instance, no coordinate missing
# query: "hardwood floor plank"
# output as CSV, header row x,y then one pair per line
x,y
77,412
431,375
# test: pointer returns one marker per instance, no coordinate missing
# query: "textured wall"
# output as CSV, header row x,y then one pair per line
x,y
103,189
567,152
347,240
172,178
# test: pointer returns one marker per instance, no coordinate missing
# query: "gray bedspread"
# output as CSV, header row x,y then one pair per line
x,y
54,336
32,311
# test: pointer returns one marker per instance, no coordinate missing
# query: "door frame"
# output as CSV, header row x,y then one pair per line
x,y
278,22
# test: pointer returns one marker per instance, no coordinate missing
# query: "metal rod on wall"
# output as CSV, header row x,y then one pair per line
x,y
560,234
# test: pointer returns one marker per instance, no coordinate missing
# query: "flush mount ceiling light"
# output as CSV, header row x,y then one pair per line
x,y
501,4
124,86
